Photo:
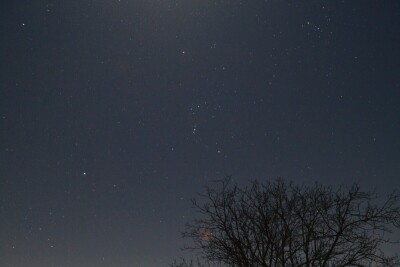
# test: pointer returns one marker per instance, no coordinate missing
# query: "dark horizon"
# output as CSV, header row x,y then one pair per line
x,y
114,114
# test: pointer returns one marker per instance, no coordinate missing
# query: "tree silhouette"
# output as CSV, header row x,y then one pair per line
x,y
282,224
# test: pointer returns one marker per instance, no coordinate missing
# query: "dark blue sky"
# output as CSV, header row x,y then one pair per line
x,y
115,113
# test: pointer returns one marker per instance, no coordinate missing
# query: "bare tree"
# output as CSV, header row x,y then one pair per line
x,y
196,263
282,224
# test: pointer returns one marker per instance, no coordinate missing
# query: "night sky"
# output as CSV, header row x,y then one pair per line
x,y
114,113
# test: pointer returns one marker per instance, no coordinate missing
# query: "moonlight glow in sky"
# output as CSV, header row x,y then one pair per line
x,y
115,113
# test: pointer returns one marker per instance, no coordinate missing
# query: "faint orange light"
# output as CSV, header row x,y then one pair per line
x,y
206,235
